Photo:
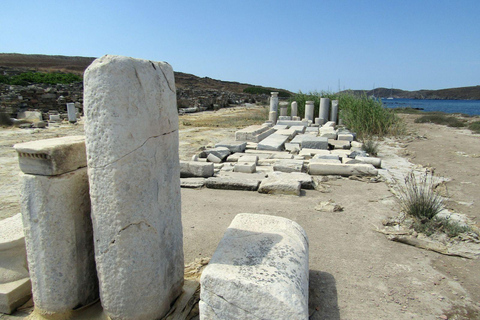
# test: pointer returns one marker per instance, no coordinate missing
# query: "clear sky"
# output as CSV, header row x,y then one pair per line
x,y
295,45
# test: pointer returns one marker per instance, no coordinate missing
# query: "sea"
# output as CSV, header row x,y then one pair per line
x,y
470,107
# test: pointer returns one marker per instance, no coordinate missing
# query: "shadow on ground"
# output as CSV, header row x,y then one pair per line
x,y
322,296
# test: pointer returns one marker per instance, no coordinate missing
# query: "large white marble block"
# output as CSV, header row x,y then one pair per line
x,y
131,127
258,271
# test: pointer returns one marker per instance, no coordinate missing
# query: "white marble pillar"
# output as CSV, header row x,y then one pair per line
x,y
131,128
294,109
309,110
274,102
272,116
334,111
283,111
324,109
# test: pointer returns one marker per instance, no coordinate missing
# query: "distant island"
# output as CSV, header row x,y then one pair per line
x,y
462,93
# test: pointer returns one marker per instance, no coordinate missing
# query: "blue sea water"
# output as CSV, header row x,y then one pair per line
x,y
470,107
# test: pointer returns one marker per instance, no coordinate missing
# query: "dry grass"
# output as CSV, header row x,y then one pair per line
x,y
234,118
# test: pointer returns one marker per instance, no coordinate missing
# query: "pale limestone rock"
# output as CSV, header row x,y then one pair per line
x,y
213,158
288,165
59,241
376,162
196,169
319,168
131,127
309,110
233,146
192,182
274,142
71,112
258,271
52,156
14,294
245,167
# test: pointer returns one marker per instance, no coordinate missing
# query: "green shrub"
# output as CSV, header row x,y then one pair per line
x,y
439,118
474,126
450,228
40,77
417,197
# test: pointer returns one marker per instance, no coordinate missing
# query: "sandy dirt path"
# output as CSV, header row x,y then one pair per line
x,y
355,272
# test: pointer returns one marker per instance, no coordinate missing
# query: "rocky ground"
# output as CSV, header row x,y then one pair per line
x,y
355,272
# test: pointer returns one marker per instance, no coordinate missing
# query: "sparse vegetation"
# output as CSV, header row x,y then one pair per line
x,y
235,119
363,115
370,147
27,78
474,126
5,120
261,90
440,118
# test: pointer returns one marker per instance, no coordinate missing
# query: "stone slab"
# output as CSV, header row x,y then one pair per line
x,y
14,294
339,144
220,152
233,146
292,147
345,136
230,183
131,128
341,169
245,167
258,271
249,158
290,133
292,123
254,133
274,142
192,182
276,185
376,162
195,169
280,127
51,157
306,180
213,158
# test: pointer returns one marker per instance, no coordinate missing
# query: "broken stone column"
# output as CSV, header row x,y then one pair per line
x,y
334,111
56,218
274,102
15,286
294,109
283,111
258,271
324,109
72,112
309,110
131,127
272,116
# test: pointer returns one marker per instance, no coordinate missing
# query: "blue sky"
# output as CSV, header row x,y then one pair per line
x,y
295,45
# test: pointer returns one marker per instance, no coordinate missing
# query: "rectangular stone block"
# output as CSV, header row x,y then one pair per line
x,y
277,185
131,128
249,158
345,136
14,294
245,167
292,146
315,143
290,133
59,240
280,127
339,144
51,157
306,180
275,142
195,169
192,182
258,271
288,165
311,152
254,133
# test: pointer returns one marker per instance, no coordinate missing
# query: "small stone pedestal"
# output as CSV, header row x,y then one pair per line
x,y
309,110
72,112
58,230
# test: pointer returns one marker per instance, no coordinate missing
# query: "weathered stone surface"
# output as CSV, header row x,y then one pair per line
x,y
292,147
326,156
233,146
328,132
334,111
72,113
310,152
195,169
313,130
345,136
59,240
318,168
294,109
54,118
290,133
213,158
283,111
284,118
281,155
135,187
309,110
52,156
298,129
192,182
14,294
288,165
310,142
324,160
275,142
230,183
277,185
220,152
272,117
376,162
15,286
259,270
293,123
30,115
280,127
245,167
306,180
356,144
274,102
249,158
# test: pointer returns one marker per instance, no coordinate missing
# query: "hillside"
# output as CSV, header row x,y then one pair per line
x,y
14,62
462,93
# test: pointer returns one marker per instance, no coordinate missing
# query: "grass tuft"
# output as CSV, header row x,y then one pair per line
x,y
417,197
370,147
474,126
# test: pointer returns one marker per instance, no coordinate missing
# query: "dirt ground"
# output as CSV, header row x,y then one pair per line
x,y
355,272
